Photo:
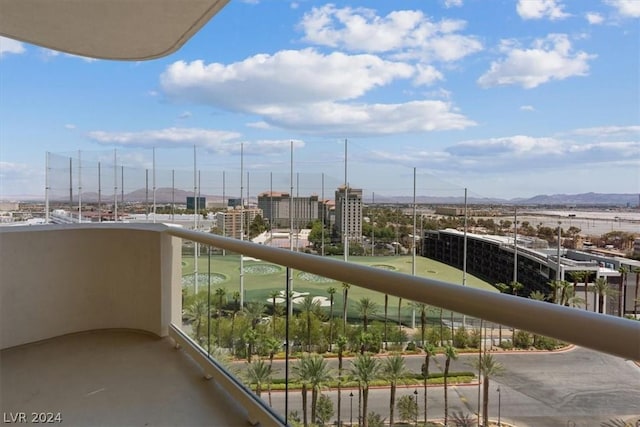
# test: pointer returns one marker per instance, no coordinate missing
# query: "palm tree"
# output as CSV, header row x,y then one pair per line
x,y
274,296
635,297
314,371
345,293
399,307
429,351
220,293
250,336
255,311
365,369
236,309
516,287
537,295
394,371
272,345
621,292
603,289
586,290
331,291
450,353
386,307
488,368
423,320
367,308
503,288
258,373
341,343
577,277
309,307
195,313
556,286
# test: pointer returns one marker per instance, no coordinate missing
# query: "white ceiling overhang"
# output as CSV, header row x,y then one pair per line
x,y
107,29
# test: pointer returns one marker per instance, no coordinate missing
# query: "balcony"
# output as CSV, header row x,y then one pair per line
x,y
91,327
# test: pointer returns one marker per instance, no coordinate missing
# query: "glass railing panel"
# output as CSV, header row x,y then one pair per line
x,y
345,373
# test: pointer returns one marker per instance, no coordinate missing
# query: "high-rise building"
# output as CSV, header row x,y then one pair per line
x,y
230,220
349,212
279,207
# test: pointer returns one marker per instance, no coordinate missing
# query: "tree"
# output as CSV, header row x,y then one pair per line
x,y
220,293
341,343
422,308
450,354
537,295
577,277
488,368
274,297
503,288
429,352
364,369
386,308
250,337
408,408
603,289
624,271
636,270
314,372
331,291
345,293
236,309
309,308
254,311
258,373
394,371
324,410
195,313
367,308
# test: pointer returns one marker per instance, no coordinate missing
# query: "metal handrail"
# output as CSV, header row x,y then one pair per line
x,y
604,333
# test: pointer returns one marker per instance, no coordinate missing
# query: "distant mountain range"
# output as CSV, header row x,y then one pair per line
x,y
166,195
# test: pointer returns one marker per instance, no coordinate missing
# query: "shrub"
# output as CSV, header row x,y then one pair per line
x,y
506,345
375,420
461,338
522,339
547,343
411,346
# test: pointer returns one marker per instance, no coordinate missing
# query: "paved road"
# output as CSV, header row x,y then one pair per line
x,y
577,388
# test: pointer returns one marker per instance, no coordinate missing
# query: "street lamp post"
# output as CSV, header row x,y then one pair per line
x,y
499,423
351,409
415,393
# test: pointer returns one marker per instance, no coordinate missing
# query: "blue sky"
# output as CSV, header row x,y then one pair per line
x,y
506,98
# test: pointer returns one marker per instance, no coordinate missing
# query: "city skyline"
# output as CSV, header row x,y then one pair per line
x,y
506,99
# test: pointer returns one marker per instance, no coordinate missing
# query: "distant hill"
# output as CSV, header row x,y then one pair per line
x,y
585,199
166,195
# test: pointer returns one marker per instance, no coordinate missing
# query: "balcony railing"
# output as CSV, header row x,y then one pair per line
x,y
148,260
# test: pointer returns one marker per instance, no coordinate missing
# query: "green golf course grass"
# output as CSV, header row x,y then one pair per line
x,y
262,278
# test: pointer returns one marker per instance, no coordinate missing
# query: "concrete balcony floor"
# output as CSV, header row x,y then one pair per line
x,y
112,378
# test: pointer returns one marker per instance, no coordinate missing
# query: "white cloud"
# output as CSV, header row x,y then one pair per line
x,y
8,46
70,126
548,59
259,125
369,119
452,3
211,140
527,108
626,8
517,153
263,80
427,75
276,88
184,115
609,131
539,9
594,18
406,33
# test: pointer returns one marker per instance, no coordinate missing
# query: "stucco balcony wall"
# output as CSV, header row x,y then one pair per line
x,y
57,280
